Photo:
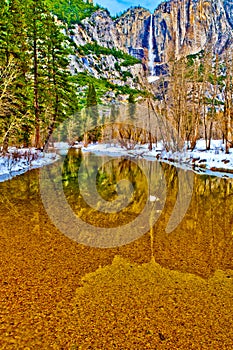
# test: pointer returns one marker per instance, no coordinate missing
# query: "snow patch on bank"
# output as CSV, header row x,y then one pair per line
x,y
214,161
18,161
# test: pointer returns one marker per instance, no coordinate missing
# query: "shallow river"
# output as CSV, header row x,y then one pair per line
x,y
104,253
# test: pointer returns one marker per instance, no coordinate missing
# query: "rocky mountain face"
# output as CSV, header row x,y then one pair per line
x,y
179,27
101,29
133,29
184,27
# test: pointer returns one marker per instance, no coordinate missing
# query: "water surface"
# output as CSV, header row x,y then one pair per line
x,y
165,291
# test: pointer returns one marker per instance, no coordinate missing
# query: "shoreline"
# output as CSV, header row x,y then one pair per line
x,y
19,161
213,162
199,161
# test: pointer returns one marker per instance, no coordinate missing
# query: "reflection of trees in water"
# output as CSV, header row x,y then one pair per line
x,y
109,174
209,212
214,216
71,164
203,240
116,170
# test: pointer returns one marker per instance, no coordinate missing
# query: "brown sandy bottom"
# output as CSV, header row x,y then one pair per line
x,y
58,294
124,306
128,306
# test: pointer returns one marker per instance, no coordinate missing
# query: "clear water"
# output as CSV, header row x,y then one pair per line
x,y
166,291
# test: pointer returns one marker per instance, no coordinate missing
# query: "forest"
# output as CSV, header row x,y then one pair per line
x,y
197,97
38,91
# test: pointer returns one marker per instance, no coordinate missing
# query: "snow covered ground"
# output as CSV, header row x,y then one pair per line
x,y
18,161
214,162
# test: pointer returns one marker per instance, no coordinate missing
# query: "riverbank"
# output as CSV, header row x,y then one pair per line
x,y
18,161
212,162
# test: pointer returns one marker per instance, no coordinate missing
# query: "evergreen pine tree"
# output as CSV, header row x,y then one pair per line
x,y
14,68
132,106
92,112
54,92
92,104
36,14
60,85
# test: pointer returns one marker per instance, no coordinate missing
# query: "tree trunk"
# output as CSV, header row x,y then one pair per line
x,y
5,144
149,122
210,136
35,66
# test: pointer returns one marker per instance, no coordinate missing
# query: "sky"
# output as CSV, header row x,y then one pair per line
x,y
117,6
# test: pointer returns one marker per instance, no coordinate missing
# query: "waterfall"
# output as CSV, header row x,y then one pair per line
x,y
151,55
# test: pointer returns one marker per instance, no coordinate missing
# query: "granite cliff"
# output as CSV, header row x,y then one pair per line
x,y
179,27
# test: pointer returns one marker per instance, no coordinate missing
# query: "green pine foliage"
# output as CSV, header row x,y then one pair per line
x,y
92,108
37,90
15,122
102,86
71,11
94,48
91,96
